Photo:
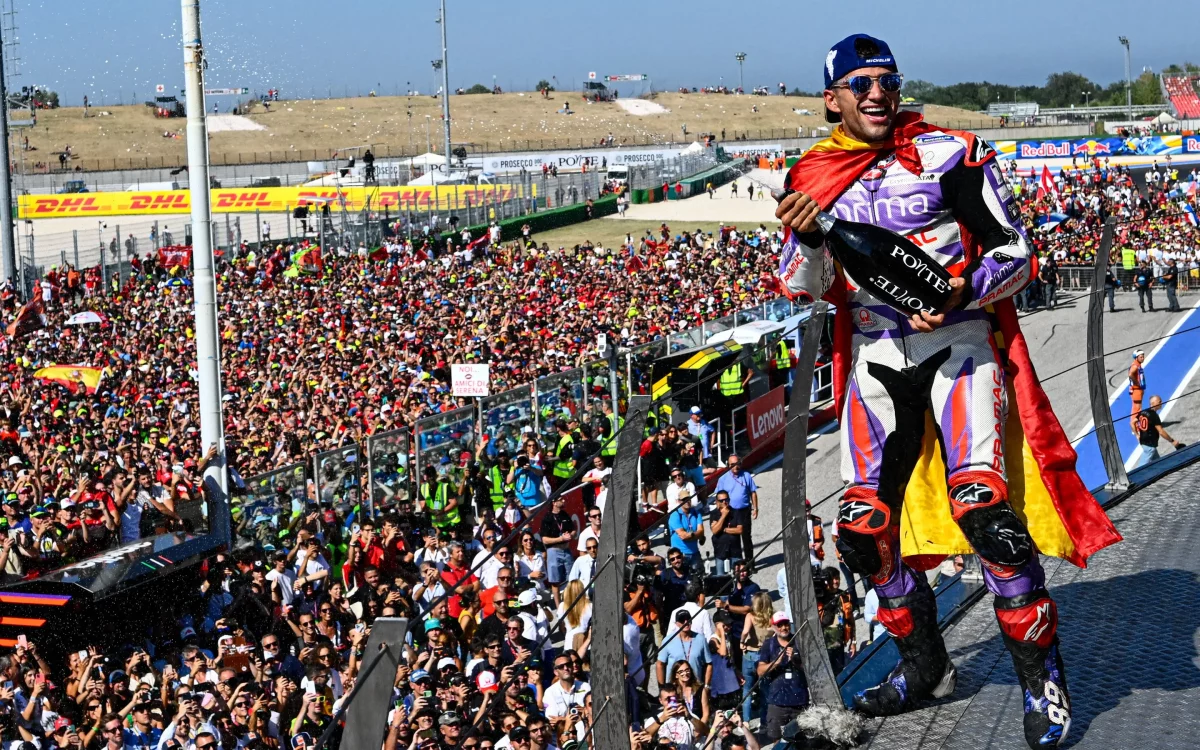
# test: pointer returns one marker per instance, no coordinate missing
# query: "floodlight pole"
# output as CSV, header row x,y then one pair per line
x,y
445,92
8,246
204,287
1124,40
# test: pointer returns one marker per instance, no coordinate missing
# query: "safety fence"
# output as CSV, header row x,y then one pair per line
x,y
1077,278
389,467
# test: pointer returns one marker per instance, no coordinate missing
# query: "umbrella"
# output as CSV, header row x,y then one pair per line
x,y
86,317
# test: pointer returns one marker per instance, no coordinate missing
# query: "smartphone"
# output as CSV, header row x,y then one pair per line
x,y
8,685
82,655
311,689
22,641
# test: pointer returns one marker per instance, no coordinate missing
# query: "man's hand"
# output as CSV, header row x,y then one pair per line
x,y
798,211
926,323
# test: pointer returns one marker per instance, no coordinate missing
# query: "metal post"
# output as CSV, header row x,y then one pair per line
x,y
1124,40
117,253
75,241
8,245
608,670
822,683
1106,433
288,215
208,345
445,92
258,228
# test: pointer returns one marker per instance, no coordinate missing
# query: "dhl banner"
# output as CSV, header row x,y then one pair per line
x,y
249,200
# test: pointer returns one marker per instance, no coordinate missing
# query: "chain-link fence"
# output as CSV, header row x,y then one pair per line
x,y
670,171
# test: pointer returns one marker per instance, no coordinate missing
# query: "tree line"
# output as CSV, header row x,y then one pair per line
x,y
1060,90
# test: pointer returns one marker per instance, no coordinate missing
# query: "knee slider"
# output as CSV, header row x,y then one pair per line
x,y
997,535
865,535
1030,618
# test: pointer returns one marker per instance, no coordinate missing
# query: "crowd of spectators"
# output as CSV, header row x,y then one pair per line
x,y
320,351
1156,234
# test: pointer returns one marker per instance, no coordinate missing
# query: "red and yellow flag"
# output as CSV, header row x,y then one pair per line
x,y
75,378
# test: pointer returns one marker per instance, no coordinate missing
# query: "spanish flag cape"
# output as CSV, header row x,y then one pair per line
x,y
1044,489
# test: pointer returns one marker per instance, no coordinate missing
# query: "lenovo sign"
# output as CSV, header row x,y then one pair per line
x,y
765,417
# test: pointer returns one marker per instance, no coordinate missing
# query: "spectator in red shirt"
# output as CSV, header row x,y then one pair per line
x,y
364,550
458,577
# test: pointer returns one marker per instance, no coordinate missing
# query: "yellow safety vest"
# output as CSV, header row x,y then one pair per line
x,y
562,466
497,489
783,358
617,424
731,381
434,505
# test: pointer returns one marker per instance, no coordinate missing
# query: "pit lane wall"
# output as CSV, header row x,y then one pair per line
x,y
282,199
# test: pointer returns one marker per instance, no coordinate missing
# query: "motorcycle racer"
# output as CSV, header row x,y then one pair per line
x,y
942,190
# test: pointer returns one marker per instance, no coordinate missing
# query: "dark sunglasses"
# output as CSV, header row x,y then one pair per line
x,y
861,85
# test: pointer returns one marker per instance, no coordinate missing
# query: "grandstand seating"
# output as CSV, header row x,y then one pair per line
x,y
1181,91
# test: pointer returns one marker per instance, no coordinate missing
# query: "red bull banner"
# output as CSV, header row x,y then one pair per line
x,y
1191,144
249,200
1152,145
765,417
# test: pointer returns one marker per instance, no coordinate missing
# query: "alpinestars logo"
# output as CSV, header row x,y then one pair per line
x,y
975,493
1041,624
829,62
854,510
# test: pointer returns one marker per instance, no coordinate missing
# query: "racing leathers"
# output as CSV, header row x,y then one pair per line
x,y
897,376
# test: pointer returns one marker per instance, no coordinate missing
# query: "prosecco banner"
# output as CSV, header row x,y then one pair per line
x,y
249,200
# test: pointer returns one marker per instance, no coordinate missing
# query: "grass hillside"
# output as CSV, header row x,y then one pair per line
x,y
129,136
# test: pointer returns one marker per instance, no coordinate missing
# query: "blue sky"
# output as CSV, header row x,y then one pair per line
x,y
115,49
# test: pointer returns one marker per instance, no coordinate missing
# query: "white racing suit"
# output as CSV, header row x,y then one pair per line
x,y
897,374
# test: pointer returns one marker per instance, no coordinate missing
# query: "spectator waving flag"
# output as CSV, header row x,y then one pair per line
x,y
1190,213
31,317
75,378
1047,186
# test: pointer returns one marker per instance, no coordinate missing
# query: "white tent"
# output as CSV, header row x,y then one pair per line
x,y
1164,117
696,148
427,160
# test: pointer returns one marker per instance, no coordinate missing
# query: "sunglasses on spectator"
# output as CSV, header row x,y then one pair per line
x,y
515,629
305,623
862,85
594,515
110,730
492,645
564,665
243,704
208,746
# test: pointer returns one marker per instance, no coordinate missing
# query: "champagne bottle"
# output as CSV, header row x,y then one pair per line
x,y
889,266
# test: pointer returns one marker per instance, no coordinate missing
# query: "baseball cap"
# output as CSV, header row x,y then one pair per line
x,y
527,597
446,663
418,675
486,682
61,723
518,733
433,624
1137,353
854,52
695,410
683,616
449,718
779,617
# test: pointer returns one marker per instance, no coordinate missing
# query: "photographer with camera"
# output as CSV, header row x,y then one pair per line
x,y
640,597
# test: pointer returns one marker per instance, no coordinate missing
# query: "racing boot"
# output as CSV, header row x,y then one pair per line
x,y
1029,624
925,670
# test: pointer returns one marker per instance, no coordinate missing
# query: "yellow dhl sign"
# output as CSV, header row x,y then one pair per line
x,y
275,200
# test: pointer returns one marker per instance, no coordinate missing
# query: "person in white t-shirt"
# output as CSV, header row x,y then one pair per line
x,y
282,579
679,490
592,530
598,476
564,694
